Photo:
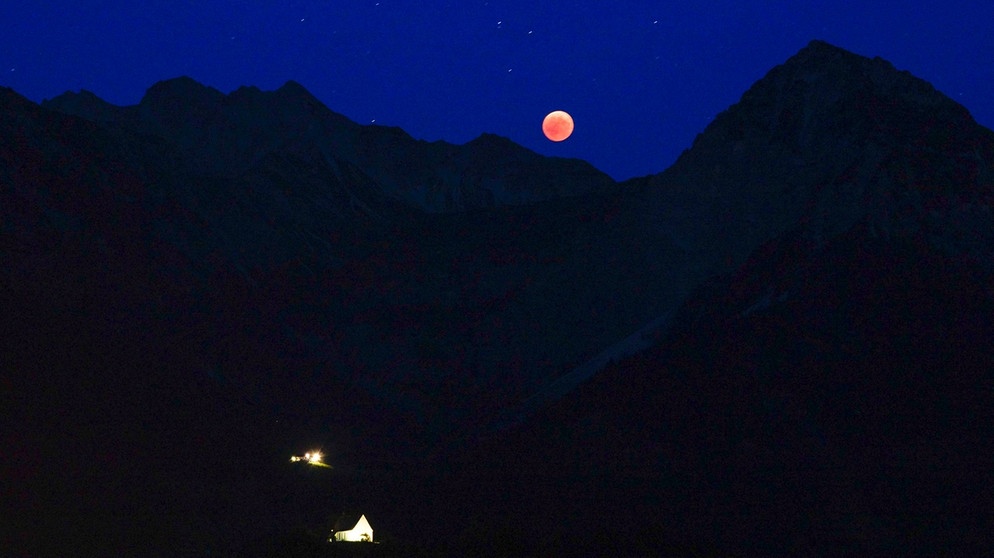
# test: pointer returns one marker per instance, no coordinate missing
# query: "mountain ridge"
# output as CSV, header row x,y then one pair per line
x,y
229,134
824,396
392,299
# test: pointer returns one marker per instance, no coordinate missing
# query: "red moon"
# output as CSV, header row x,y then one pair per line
x,y
558,125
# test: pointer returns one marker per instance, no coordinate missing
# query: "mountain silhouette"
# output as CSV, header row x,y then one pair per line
x,y
234,135
826,396
777,345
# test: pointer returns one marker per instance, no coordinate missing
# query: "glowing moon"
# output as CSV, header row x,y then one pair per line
x,y
558,125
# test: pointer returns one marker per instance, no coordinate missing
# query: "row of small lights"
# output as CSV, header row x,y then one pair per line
x,y
310,457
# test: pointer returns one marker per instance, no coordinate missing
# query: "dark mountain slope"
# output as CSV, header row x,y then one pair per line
x,y
321,216
249,274
848,414
831,395
229,135
825,139
278,182
122,352
159,319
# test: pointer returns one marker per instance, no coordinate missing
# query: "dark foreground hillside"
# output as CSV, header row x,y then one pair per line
x,y
846,414
830,396
198,287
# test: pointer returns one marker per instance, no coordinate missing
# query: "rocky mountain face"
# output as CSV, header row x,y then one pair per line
x,y
252,135
828,396
824,141
206,275
170,300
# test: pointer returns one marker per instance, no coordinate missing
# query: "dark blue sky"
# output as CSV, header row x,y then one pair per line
x,y
641,79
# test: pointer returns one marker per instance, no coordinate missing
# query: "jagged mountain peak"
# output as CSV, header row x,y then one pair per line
x,y
827,139
488,139
81,96
493,145
294,89
229,135
826,74
85,104
835,68
185,102
13,101
825,97
181,89
289,94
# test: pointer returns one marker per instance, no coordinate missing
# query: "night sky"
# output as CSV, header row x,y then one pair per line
x,y
641,79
